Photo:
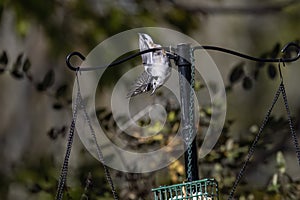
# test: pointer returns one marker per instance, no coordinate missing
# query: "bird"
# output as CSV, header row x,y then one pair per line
x,y
157,68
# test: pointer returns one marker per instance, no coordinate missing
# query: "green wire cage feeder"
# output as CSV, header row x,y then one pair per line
x,y
205,189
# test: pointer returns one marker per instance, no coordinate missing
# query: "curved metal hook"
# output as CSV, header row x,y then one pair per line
x,y
117,62
254,58
284,49
75,53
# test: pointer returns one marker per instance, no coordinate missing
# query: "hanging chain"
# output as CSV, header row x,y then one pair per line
x,y
65,166
191,116
99,152
281,89
63,176
294,136
252,148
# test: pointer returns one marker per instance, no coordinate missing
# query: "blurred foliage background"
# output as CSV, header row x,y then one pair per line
x,y
36,86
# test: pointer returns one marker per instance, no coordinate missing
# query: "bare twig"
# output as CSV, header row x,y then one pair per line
x,y
250,10
88,183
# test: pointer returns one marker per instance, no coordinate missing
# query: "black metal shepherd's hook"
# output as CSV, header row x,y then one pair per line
x,y
75,53
174,56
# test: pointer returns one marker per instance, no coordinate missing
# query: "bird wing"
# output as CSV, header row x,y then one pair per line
x,y
142,84
145,42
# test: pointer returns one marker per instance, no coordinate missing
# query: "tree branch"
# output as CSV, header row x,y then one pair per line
x,y
250,10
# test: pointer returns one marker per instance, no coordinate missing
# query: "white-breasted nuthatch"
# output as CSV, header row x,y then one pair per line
x,y
157,68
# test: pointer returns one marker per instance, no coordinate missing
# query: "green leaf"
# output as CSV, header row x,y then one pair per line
x,y
61,91
35,188
237,72
17,74
262,64
171,116
40,87
4,58
276,49
272,71
107,117
256,74
247,83
57,106
181,19
280,161
100,111
3,61
22,26
47,81
26,65
16,69
53,133
228,88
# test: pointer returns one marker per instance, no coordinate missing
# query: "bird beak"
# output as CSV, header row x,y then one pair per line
x,y
153,91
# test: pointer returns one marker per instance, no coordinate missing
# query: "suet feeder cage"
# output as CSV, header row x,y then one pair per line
x,y
205,189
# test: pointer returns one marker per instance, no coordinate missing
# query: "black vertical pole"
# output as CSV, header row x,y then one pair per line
x,y
184,69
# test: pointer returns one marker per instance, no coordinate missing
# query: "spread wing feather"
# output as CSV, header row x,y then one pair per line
x,y
144,43
142,84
